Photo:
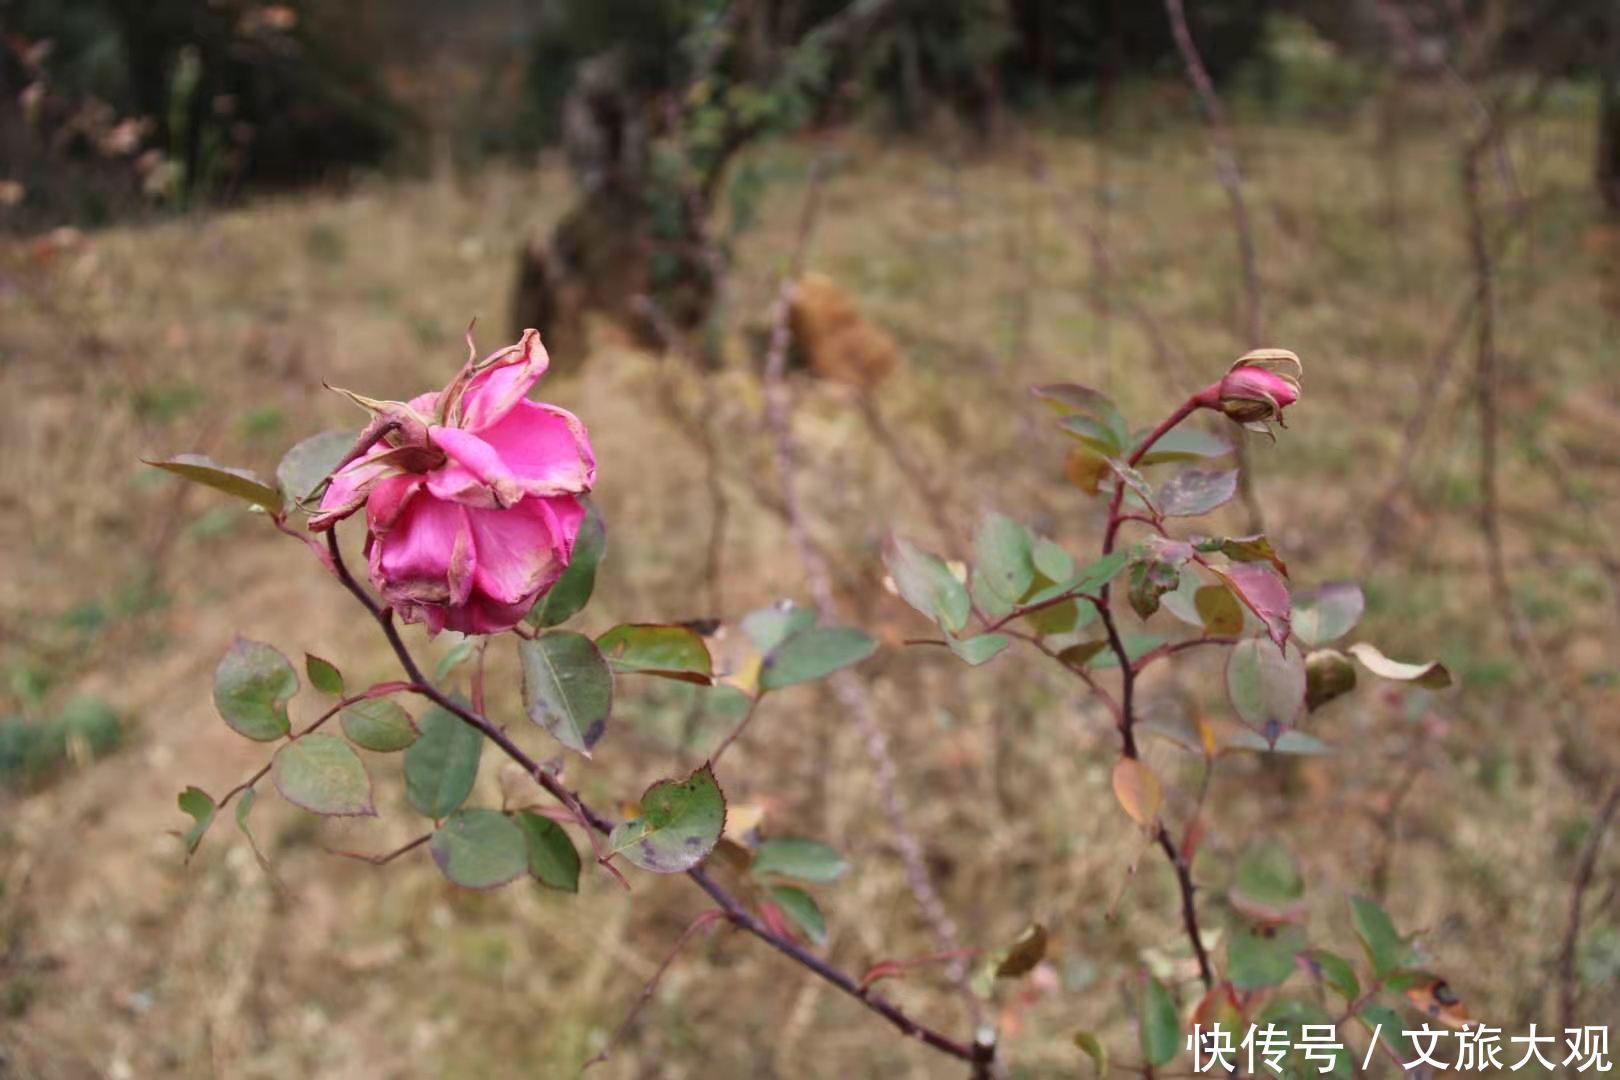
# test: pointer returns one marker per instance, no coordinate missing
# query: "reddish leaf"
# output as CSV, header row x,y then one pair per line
x,y
1263,592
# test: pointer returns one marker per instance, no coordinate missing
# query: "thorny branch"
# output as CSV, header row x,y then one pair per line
x,y
1568,980
978,1054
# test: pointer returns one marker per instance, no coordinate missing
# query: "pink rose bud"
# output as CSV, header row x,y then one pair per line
x,y
471,494
1258,387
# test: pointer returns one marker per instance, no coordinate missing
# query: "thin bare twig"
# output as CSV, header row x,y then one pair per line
x,y
1568,980
704,919
849,691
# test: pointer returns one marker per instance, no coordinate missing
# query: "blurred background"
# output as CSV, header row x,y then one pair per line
x,y
209,207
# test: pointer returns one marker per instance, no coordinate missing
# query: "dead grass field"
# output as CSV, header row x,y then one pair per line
x,y
214,334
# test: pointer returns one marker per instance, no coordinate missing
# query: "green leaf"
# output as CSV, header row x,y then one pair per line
x,y
307,465
1136,482
769,627
1183,444
1078,656
1385,1023
805,860
441,766
1254,548
252,686
244,807
1261,955
553,861
1328,674
1327,612
1156,570
680,822
379,724
667,651
802,908
927,584
1094,1049
1094,435
814,654
200,805
323,774
1136,646
1266,685
1067,398
1004,557
1051,562
480,849
1088,580
1386,949
1335,972
1196,492
979,649
323,675
1288,742
1267,885
573,589
238,482
1160,1024
1432,675
567,687
459,654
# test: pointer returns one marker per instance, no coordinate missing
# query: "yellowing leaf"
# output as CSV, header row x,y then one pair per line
x,y
1138,790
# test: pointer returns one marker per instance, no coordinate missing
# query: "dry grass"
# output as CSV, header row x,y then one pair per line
x,y
215,335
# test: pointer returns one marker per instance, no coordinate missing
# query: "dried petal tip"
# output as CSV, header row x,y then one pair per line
x,y
1259,386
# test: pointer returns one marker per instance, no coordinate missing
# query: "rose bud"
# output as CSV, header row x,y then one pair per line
x,y
471,494
1257,388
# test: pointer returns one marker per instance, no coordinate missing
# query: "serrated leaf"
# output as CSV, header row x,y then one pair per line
x,y
1263,592
1328,674
1386,949
380,725
480,849
802,908
667,651
1267,885
1093,434
441,766
1138,791
1195,492
240,483
1094,1049
979,649
804,860
197,803
1327,612
1335,972
1183,444
769,627
323,675
323,774
1066,398
307,465
1004,557
927,584
567,687
1266,685
680,822
252,686
1262,955
1432,675
573,589
1160,1026
1246,549
814,654
552,859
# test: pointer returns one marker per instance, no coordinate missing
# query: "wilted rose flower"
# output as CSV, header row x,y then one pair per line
x,y
1257,388
471,494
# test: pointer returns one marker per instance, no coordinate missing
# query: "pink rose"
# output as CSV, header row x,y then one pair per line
x,y
471,494
1258,387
